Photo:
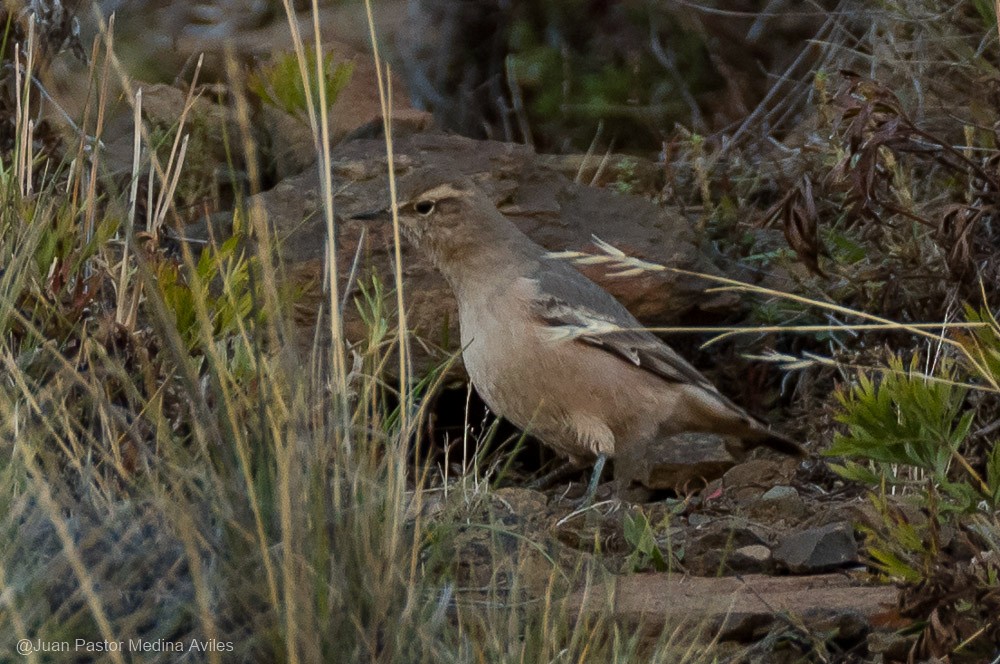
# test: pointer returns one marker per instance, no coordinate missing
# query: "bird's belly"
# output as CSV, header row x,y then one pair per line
x,y
559,391
504,365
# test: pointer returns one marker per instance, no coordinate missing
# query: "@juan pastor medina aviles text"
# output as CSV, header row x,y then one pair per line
x,y
27,646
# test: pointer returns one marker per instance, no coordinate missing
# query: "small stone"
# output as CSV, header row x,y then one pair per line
x,y
698,520
712,547
755,558
778,503
780,493
818,549
750,479
755,552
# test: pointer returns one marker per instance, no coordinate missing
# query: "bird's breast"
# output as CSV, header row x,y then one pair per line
x,y
503,351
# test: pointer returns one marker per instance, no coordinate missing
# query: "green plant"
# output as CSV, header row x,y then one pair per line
x,y
905,418
641,537
280,83
911,427
223,267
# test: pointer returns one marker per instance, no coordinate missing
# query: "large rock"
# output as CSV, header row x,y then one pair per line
x,y
818,549
544,203
683,461
742,607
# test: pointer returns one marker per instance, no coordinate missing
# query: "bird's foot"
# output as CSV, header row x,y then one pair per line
x,y
595,478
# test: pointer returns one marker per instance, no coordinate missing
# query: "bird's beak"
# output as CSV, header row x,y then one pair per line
x,y
380,214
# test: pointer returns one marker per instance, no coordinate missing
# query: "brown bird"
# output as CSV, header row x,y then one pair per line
x,y
552,351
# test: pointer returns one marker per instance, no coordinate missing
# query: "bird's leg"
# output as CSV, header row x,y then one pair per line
x,y
595,479
549,478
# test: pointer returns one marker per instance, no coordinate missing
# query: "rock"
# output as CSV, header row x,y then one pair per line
x,y
741,608
699,520
752,478
290,141
677,462
892,646
542,202
818,549
750,558
207,123
623,173
779,503
285,139
779,493
712,545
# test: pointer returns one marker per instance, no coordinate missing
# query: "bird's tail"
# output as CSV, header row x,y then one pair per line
x,y
777,442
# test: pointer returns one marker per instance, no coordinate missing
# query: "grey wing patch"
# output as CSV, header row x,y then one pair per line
x,y
576,308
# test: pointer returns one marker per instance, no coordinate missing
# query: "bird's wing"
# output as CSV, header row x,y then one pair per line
x,y
573,307
576,308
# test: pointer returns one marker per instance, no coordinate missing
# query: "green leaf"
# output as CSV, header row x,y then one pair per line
x,y
993,472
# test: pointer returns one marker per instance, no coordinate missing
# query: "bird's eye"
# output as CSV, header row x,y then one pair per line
x,y
424,208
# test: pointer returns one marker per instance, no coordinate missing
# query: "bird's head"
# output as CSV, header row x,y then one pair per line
x,y
438,211
456,224
437,208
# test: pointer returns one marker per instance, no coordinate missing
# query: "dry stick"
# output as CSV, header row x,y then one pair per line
x,y
150,182
133,194
791,362
406,397
167,193
996,11
102,105
385,100
352,275
320,132
726,330
517,99
601,166
669,62
321,136
633,265
29,155
22,107
590,151
315,117
28,128
762,106
175,161
732,13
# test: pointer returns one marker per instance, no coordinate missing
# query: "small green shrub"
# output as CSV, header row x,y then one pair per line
x,y
906,421
641,538
225,265
280,83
